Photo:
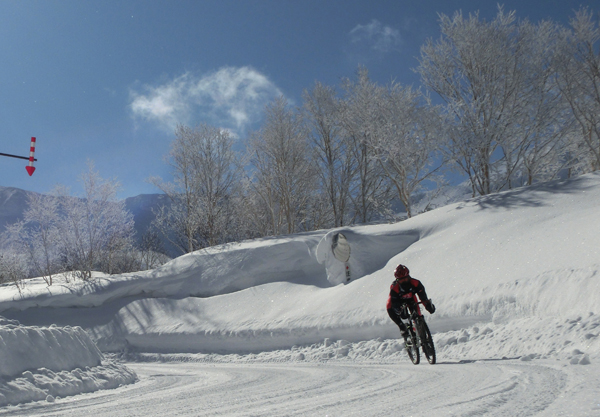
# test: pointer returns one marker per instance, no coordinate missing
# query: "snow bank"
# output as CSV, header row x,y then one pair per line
x,y
573,340
27,347
207,272
42,363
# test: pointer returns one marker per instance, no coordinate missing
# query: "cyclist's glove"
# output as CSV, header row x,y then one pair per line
x,y
430,307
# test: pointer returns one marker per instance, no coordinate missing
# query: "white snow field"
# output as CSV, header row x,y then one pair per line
x,y
271,327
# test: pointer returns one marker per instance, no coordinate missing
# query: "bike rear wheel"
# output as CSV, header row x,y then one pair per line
x,y
412,345
427,343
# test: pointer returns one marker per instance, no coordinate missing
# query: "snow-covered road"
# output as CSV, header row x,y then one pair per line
x,y
502,387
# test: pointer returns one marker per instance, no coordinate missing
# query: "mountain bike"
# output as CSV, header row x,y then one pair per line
x,y
419,335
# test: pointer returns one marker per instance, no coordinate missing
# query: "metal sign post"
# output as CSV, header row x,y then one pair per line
x,y
30,168
341,252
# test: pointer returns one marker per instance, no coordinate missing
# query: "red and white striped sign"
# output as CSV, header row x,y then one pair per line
x,y
30,168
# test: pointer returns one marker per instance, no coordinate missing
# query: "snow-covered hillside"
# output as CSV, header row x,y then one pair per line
x,y
512,275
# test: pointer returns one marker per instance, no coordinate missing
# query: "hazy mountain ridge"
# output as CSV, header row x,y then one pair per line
x,y
13,203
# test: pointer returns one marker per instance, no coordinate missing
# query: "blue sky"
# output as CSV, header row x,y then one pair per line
x,y
108,80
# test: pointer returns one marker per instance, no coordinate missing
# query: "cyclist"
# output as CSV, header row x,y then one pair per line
x,y
404,290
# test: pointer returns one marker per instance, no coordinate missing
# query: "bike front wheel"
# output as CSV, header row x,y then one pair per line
x,y
427,342
412,345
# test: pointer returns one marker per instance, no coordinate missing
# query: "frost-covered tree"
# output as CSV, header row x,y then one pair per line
x,y
203,195
62,233
151,250
92,229
12,269
361,118
37,235
578,63
283,174
335,163
406,141
496,82
217,174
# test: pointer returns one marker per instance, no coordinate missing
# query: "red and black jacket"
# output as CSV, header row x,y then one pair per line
x,y
406,292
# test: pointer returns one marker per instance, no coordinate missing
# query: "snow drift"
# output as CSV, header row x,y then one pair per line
x,y
52,347
44,363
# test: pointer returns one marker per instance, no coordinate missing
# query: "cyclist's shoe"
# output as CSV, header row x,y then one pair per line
x,y
407,341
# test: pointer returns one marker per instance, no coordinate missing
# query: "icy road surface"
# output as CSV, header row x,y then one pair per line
x,y
491,388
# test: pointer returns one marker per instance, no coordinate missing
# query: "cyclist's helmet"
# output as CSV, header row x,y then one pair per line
x,y
401,272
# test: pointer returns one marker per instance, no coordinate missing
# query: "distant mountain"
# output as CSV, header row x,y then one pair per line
x,y
13,203
141,207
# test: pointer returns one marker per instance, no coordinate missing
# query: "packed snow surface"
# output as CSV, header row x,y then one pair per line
x,y
514,277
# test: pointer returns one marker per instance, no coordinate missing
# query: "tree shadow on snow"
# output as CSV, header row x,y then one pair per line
x,y
532,196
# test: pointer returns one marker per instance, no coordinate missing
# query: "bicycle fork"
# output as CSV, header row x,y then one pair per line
x,y
416,331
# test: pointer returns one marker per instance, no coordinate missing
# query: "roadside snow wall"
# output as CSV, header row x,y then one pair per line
x,y
26,347
43,363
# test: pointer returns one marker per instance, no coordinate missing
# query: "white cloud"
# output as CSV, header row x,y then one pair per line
x,y
229,97
377,36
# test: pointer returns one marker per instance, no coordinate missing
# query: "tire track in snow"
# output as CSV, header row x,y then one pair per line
x,y
318,389
507,389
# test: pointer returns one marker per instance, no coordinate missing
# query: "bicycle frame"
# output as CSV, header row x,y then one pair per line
x,y
412,313
419,332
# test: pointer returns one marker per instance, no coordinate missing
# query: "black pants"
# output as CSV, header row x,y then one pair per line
x,y
392,312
